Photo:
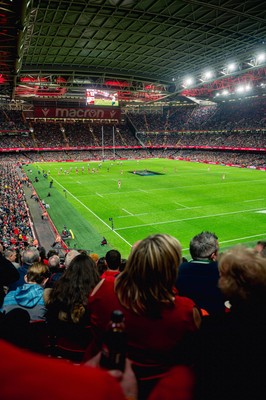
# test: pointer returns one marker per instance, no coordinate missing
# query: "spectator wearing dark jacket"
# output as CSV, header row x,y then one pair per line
x,y
8,275
198,278
28,258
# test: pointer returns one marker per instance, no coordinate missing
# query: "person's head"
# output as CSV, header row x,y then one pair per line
x,y
113,259
35,243
70,256
52,252
37,273
204,246
95,257
150,273
242,275
101,265
261,248
122,264
30,255
54,261
42,252
10,254
71,291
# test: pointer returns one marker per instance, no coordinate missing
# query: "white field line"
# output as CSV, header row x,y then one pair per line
x,y
134,215
248,201
93,213
98,194
137,215
141,190
187,208
172,188
182,187
181,205
190,219
127,211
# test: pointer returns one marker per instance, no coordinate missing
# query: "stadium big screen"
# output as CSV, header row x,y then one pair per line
x,y
101,98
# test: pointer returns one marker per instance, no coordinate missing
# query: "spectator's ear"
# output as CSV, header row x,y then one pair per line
x,y
214,255
26,279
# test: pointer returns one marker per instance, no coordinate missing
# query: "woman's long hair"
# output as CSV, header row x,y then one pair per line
x,y
148,279
69,296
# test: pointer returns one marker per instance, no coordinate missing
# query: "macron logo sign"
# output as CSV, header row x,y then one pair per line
x,y
76,113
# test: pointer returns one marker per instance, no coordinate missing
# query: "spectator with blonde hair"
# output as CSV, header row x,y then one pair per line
x,y
157,319
29,296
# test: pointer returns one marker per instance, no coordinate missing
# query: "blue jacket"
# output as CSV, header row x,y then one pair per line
x,y
29,297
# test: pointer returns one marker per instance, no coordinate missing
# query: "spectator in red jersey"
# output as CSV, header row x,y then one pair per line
x,y
113,260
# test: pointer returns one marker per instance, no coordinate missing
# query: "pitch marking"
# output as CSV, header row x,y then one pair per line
x,y
127,211
189,219
93,213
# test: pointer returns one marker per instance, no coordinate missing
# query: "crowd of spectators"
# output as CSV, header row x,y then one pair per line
x,y
47,134
12,120
15,222
50,290
214,139
187,322
162,133
247,114
191,327
241,158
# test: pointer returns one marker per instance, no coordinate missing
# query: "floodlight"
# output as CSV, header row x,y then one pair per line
x,y
261,57
188,81
208,74
240,89
225,92
231,67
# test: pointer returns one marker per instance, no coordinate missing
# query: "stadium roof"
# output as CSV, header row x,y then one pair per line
x,y
142,49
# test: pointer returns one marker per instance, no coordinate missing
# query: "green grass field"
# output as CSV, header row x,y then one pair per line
x,y
184,200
